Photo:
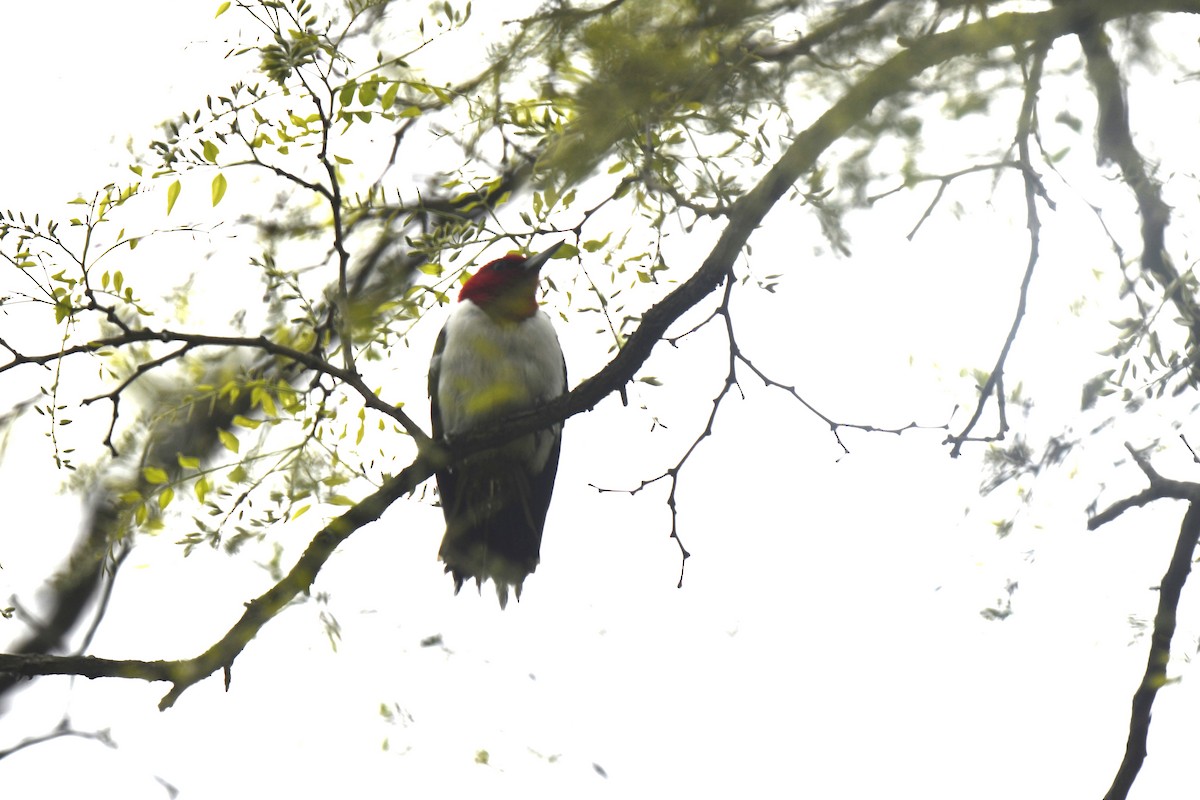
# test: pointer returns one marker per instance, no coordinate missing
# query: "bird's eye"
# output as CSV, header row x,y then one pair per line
x,y
508,262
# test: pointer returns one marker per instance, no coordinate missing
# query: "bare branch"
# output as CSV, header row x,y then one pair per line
x,y
1160,650
61,730
944,182
1033,190
1160,488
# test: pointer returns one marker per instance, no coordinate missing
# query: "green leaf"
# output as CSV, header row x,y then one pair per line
x,y
172,195
389,96
229,440
165,497
221,9
155,475
210,151
244,422
592,245
342,160
189,462
202,487
346,96
219,185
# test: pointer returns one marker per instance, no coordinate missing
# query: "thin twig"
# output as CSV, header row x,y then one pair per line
x,y
1033,189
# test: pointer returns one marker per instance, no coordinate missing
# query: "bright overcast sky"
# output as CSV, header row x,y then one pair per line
x,y
827,641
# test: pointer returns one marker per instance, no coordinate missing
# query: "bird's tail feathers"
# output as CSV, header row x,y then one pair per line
x,y
492,534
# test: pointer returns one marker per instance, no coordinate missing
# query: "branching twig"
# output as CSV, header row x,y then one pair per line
x,y
731,380
115,395
1033,190
62,729
944,182
1160,488
262,343
834,425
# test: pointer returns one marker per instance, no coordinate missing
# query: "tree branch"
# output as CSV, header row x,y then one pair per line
x,y
253,342
1033,190
1160,489
1164,620
1114,143
184,673
1160,650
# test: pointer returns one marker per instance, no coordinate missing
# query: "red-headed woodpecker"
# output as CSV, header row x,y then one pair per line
x,y
497,355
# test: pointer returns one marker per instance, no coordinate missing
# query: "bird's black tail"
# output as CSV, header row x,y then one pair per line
x,y
492,530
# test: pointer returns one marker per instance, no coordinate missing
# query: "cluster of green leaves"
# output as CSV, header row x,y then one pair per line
x,y
59,267
1145,370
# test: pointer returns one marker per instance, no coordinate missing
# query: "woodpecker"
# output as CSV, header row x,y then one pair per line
x,y
497,355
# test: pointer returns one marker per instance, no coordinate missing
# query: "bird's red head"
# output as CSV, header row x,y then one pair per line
x,y
507,286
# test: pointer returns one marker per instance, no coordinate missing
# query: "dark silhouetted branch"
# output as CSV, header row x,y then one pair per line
x,y
1160,651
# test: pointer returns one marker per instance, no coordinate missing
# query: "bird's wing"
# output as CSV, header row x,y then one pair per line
x,y
446,479
542,484
435,371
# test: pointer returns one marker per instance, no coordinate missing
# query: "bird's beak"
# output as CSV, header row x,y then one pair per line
x,y
535,263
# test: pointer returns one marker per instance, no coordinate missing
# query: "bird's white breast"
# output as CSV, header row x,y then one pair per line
x,y
491,369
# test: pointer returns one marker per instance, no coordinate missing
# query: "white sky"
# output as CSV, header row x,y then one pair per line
x,y
827,641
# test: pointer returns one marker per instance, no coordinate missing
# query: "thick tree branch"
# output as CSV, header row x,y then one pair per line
x,y
1169,590
184,673
1114,143
1160,650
